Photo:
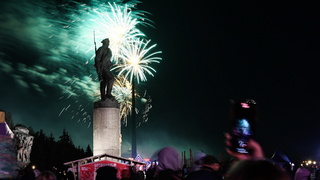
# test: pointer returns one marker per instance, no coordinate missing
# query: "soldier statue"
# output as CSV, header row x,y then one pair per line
x,y
103,65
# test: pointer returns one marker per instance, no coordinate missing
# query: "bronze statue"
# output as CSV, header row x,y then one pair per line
x,y
103,65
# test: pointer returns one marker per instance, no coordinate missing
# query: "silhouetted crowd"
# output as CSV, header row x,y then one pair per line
x,y
252,165
248,166
30,173
244,166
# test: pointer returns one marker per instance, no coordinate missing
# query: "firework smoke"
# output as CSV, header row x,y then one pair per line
x,y
61,39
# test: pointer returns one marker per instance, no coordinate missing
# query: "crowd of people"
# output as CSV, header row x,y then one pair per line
x,y
245,166
29,173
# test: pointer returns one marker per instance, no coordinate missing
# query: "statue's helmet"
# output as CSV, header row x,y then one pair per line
x,y
105,41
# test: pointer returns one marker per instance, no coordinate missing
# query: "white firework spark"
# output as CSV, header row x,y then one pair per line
x,y
137,57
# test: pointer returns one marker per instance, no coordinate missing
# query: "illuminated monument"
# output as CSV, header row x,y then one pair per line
x,y
106,114
106,128
132,57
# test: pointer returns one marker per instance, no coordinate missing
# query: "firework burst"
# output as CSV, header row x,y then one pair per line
x,y
119,26
122,90
118,22
136,57
62,37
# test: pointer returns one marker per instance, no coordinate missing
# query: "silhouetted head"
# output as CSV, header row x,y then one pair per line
x,y
256,170
210,161
168,158
46,175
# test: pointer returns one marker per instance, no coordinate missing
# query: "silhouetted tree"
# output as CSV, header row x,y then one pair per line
x,y
47,153
39,151
66,149
52,151
88,152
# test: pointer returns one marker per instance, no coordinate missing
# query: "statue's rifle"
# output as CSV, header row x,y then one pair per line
x,y
94,41
98,66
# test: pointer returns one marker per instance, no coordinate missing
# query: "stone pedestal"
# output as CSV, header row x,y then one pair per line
x,y
106,128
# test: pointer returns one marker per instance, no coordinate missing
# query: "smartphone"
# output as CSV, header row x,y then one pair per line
x,y
243,120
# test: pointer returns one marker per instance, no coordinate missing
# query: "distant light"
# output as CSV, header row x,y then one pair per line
x,y
33,167
144,100
245,105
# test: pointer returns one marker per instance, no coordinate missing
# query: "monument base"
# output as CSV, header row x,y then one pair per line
x,y
107,103
106,128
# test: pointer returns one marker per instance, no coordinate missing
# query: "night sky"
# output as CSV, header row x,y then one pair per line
x,y
212,51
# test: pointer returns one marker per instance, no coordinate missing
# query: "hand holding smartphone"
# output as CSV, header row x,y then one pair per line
x,y
254,149
243,121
